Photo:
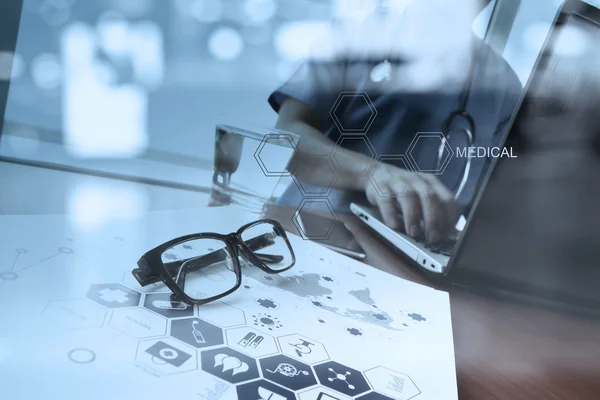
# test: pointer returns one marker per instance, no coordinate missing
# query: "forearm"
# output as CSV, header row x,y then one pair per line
x,y
313,150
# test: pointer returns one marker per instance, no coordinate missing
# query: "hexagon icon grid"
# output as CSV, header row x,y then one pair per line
x,y
274,163
196,332
222,314
287,372
313,232
392,383
229,365
162,304
251,342
139,323
309,190
341,378
75,314
374,396
397,160
430,135
114,295
167,356
348,97
321,393
303,349
261,389
366,148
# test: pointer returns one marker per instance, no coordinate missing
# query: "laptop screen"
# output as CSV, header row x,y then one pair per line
x,y
536,226
10,15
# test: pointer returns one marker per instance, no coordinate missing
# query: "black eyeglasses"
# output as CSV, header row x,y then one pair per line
x,y
205,267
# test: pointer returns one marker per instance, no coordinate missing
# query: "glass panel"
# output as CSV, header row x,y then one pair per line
x,y
137,87
202,268
268,245
528,34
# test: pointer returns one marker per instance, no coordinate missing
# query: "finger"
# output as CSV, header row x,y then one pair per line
x,y
434,213
446,198
388,211
410,205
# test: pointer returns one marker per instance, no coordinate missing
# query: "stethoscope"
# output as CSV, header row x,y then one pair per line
x,y
468,130
383,72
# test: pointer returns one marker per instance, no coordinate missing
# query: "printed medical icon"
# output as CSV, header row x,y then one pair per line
x,y
114,295
163,353
161,303
197,334
230,363
390,384
266,394
341,377
303,348
251,340
263,390
325,396
266,321
288,370
169,305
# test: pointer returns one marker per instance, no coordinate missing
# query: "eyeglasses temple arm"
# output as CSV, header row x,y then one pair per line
x,y
260,242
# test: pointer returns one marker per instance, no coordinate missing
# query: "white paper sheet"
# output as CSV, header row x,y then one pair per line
x,y
74,323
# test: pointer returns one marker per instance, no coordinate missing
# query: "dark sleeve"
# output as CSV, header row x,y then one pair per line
x,y
316,84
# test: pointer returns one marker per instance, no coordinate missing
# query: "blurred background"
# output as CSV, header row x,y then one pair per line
x,y
136,87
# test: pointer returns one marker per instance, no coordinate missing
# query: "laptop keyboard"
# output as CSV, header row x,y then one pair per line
x,y
444,248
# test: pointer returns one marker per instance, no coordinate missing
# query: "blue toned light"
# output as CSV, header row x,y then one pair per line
x,y
206,10
298,40
260,11
46,71
226,44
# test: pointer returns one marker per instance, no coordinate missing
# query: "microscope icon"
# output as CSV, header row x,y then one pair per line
x,y
302,347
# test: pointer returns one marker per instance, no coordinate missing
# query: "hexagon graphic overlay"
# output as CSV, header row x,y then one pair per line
x,y
328,174
359,106
270,154
317,228
360,144
398,161
438,138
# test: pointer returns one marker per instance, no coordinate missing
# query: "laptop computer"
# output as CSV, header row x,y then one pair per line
x,y
10,17
533,229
